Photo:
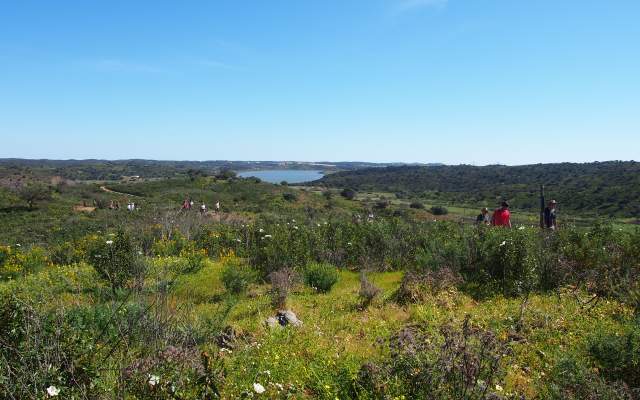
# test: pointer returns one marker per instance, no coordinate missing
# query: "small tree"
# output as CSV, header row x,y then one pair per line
x,y
34,192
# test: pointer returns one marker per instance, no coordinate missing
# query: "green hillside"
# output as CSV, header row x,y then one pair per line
x,y
605,189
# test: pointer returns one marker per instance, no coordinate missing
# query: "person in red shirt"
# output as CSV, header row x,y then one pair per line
x,y
502,216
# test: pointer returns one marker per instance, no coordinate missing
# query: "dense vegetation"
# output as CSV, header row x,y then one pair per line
x,y
163,303
606,189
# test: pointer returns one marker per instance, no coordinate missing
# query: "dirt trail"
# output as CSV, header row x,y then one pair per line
x,y
106,189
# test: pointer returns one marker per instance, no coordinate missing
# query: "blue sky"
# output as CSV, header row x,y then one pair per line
x,y
457,81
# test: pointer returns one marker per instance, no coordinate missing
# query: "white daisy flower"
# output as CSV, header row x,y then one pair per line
x,y
154,380
258,388
53,391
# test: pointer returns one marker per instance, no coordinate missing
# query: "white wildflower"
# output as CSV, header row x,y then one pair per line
x,y
258,388
521,228
260,230
499,388
349,243
503,243
268,236
18,245
154,380
53,391
109,242
295,227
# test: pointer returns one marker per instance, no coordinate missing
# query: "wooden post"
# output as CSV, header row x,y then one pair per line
x,y
542,205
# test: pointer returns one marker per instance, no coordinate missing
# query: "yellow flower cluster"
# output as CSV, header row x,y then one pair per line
x,y
14,262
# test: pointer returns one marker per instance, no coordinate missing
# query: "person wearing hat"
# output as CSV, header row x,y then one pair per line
x,y
550,215
483,217
502,216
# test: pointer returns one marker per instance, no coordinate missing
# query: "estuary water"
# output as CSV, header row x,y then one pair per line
x,y
279,175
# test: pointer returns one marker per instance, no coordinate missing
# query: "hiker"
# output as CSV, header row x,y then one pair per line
x,y
502,216
185,204
191,204
218,206
111,205
203,208
550,215
483,217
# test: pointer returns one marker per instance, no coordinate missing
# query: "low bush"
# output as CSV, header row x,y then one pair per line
x,y
439,210
618,356
321,276
117,261
416,286
237,277
288,196
348,194
572,380
461,363
417,205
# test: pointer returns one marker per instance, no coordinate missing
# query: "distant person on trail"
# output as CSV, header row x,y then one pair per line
x,y
550,215
203,208
502,216
191,204
217,206
483,217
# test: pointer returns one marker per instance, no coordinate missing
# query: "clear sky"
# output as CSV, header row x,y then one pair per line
x,y
457,81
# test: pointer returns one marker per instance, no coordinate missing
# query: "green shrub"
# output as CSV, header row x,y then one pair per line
x,y
572,380
288,196
117,261
348,194
321,276
417,205
439,210
237,277
618,356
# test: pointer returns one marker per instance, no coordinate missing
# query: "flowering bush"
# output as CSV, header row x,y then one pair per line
x,y
15,262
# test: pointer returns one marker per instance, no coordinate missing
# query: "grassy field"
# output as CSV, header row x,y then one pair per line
x,y
169,304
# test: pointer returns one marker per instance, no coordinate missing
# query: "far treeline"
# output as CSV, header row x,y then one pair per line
x,y
599,188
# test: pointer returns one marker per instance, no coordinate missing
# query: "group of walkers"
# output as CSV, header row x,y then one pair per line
x,y
115,205
189,204
502,216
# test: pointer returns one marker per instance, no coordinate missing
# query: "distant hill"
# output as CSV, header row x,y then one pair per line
x,y
83,170
600,188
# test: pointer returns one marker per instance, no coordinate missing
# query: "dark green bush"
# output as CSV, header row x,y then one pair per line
x,y
288,196
417,205
439,210
321,276
348,194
